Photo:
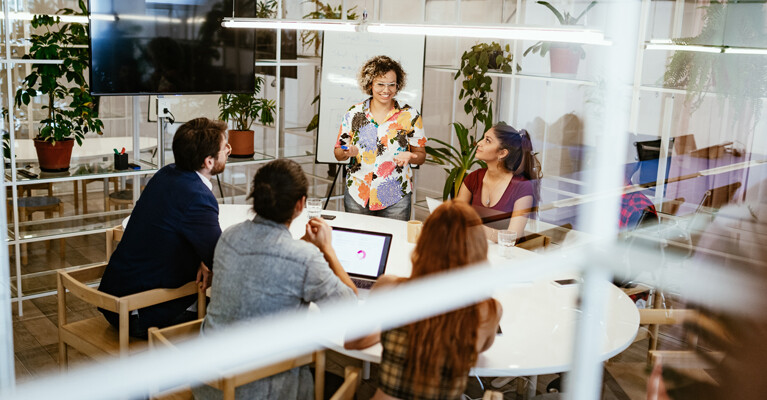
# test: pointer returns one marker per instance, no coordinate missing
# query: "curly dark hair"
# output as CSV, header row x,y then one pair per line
x,y
277,186
379,66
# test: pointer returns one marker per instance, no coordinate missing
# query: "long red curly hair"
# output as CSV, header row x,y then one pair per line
x,y
452,238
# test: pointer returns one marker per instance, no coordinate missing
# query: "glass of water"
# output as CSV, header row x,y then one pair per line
x,y
313,207
506,240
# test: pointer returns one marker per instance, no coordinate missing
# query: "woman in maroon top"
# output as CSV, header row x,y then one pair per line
x,y
509,188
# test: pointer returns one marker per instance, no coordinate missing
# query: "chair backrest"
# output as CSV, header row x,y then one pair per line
x,y
648,155
113,235
671,207
171,336
717,197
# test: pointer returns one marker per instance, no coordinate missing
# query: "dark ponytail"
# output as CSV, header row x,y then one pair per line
x,y
520,160
277,187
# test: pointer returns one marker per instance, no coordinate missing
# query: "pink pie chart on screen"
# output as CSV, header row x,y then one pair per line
x,y
361,254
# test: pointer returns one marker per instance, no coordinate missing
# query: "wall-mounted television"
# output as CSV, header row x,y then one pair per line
x,y
169,47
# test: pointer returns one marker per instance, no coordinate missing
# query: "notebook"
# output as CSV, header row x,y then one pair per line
x,y
363,254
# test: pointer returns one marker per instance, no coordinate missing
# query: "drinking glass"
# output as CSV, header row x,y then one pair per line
x,y
506,240
313,207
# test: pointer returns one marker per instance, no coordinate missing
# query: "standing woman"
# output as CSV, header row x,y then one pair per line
x,y
511,182
431,359
382,137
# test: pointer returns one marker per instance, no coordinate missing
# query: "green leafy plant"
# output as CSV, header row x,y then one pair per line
x,y
243,109
266,9
457,161
70,107
738,77
477,86
543,48
322,11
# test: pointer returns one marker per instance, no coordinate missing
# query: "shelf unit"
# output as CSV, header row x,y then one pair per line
x,y
510,103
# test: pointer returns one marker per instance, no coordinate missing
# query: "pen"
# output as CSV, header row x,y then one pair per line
x,y
116,152
123,151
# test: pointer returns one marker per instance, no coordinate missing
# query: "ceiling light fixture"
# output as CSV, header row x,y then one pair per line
x,y
565,35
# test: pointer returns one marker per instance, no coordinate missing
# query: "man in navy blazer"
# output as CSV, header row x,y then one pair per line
x,y
173,229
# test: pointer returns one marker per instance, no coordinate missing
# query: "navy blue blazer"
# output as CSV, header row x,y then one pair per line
x,y
173,227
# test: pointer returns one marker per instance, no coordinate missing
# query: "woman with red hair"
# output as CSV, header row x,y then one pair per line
x,y
431,359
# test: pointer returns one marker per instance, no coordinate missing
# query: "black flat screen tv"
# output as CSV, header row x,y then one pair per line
x,y
168,47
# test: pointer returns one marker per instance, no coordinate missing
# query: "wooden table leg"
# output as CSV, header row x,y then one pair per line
x,y
85,197
77,198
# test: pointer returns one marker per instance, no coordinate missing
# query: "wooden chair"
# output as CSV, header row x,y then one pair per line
x,y
691,360
227,382
27,206
95,337
86,182
717,197
119,199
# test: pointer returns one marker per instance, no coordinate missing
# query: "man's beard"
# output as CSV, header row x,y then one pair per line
x,y
218,167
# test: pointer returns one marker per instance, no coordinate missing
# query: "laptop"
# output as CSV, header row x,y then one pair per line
x,y
363,254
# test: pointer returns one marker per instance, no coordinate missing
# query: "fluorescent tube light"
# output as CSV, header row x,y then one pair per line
x,y
263,23
566,35
744,50
682,47
498,31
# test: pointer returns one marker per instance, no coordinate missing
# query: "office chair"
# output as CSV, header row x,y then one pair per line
x,y
648,155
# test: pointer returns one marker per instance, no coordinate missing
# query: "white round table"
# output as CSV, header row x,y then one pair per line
x,y
538,320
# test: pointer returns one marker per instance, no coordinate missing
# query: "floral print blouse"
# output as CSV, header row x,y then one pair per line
x,y
373,175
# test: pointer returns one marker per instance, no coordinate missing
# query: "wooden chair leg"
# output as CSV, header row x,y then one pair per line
x,y
85,197
319,375
62,241
227,387
24,254
201,303
62,320
77,197
124,316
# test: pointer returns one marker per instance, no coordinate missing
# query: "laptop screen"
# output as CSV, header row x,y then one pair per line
x,y
362,253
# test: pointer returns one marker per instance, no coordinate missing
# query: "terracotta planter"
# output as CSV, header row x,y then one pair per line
x,y
54,156
564,61
242,144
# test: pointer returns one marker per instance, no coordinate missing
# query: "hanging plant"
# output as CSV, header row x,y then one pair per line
x,y
477,85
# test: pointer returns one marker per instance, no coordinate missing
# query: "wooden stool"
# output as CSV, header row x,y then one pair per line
x,y
31,205
119,198
85,183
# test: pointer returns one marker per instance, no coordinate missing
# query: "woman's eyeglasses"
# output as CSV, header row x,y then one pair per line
x,y
382,86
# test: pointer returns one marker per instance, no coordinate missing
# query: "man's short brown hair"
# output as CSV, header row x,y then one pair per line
x,y
196,140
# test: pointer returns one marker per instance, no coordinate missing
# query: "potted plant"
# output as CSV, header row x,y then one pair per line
x,y
740,78
565,57
70,107
242,110
476,86
458,161
322,11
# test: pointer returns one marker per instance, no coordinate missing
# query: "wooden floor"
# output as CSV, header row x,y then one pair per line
x,y
35,340
35,334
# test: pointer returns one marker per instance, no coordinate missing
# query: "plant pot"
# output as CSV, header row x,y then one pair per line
x,y
242,144
54,156
564,61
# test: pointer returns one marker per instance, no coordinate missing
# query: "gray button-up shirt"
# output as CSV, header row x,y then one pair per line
x,y
261,271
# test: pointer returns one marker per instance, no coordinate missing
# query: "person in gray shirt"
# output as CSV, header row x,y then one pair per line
x,y
262,271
